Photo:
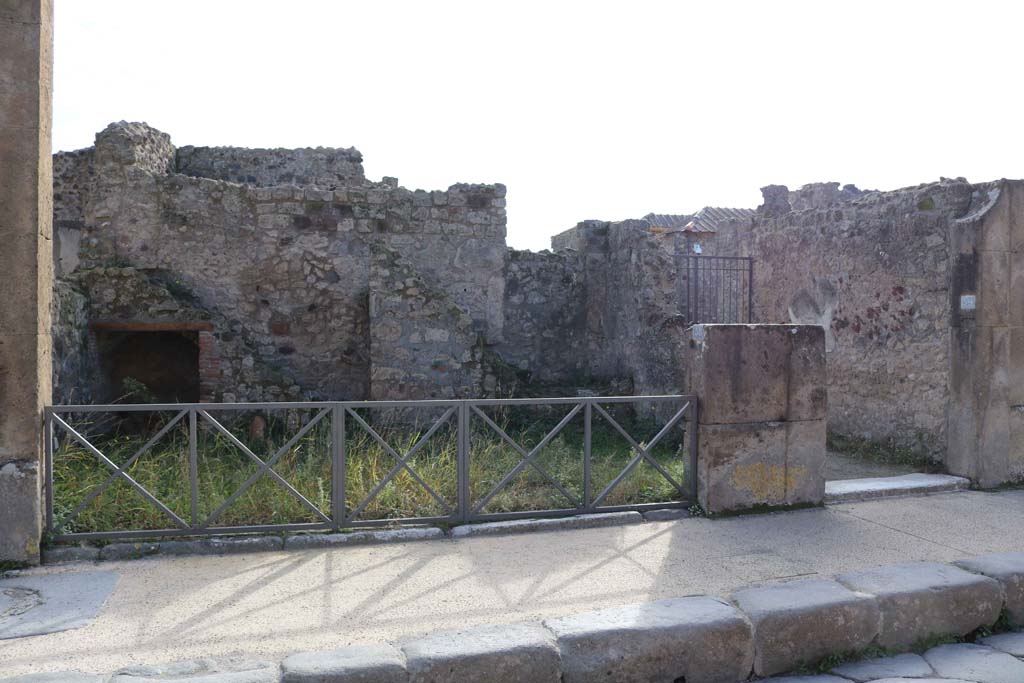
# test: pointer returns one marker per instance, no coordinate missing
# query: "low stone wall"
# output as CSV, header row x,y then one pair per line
x,y
759,631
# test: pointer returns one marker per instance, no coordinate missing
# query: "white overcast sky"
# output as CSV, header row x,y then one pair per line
x,y
583,109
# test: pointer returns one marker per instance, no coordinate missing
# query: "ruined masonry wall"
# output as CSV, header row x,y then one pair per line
x,y
285,268
544,318
320,167
874,271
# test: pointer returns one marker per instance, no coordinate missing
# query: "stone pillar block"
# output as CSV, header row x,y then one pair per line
x,y
763,403
985,416
26,268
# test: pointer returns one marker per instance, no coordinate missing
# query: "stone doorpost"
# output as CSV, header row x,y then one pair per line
x,y
26,267
761,425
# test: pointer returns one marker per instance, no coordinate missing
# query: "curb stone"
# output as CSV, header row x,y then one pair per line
x,y
667,515
305,541
699,639
924,599
507,653
353,664
66,554
511,526
802,622
1008,570
128,551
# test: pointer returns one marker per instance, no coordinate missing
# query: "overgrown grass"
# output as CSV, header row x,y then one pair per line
x,y
223,468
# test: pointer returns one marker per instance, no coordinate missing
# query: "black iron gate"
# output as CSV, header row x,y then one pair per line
x,y
717,289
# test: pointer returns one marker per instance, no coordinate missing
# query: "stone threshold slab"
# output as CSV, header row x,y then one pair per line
x,y
851,490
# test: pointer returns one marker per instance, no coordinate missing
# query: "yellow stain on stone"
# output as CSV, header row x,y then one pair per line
x,y
767,483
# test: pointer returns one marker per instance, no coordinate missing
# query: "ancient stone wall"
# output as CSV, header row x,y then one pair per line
x,y
285,268
544,318
321,167
631,317
874,271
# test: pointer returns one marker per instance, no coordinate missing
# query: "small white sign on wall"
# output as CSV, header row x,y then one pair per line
x,y
968,302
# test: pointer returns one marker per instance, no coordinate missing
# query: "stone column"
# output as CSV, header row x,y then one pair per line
x,y
986,379
26,267
761,424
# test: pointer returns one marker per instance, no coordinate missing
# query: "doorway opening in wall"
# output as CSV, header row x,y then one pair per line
x,y
146,363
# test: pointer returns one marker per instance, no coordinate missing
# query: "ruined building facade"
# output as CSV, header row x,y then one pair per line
x,y
226,274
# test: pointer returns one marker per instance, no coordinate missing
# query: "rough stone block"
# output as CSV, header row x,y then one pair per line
x,y
993,288
739,372
128,551
222,546
20,512
925,599
975,663
75,553
807,377
509,653
361,538
1016,295
25,371
233,670
353,664
518,526
901,666
741,466
802,622
1008,570
697,639
667,515
805,462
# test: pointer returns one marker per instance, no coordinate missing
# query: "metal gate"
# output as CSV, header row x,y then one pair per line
x,y
717,289
186,442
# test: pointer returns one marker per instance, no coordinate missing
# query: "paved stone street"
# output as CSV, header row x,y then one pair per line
x,y
996,659
269,605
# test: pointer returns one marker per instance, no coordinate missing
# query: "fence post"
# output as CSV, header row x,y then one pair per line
x,y
48,464
338,465
462,470
193,468
588,415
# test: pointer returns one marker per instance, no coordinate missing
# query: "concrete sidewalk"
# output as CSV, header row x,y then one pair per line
x,y
271,604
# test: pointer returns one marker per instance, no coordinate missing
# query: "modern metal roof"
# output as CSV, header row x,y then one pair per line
x,y
705,220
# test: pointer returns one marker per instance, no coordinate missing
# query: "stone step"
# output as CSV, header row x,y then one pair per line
x,y
850,490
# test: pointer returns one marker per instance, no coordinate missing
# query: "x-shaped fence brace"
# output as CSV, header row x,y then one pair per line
x,y
402,461
642,452
265,467
527,457
120,472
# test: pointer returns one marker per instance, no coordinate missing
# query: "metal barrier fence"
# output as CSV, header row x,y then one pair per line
x,y
336,436
718,289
